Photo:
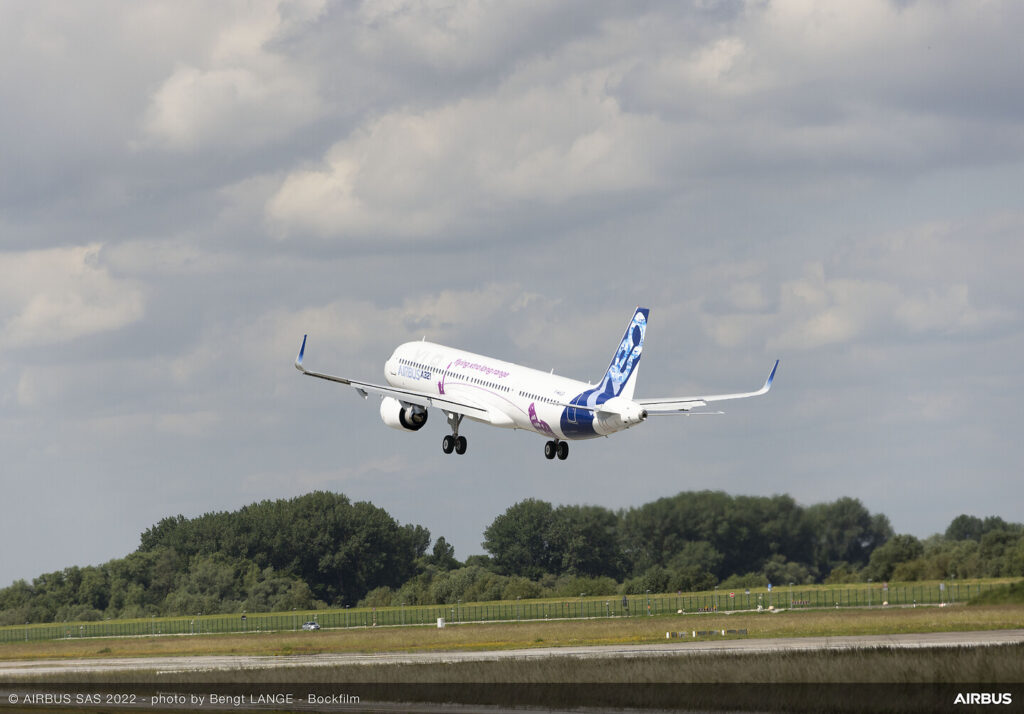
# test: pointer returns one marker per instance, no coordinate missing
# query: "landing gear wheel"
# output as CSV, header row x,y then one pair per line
x,y
563,450
448,444
460,445
549,450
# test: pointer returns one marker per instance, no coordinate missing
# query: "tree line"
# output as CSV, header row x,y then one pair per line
x,y
307,552
321,550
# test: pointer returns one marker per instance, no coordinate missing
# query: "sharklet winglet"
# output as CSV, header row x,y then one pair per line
x,y
302,352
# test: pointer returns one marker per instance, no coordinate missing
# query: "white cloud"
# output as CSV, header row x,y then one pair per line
x,y
816,311
53,296
462,37
166,257
923,281
411,174
834,88
780,91
982,251
244,94
946,310
444,34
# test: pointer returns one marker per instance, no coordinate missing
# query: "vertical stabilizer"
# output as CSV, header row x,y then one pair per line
x,y
620,379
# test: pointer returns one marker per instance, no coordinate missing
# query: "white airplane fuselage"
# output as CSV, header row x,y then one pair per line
x,y
515,397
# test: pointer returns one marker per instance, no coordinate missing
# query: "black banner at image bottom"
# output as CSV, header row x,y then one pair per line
x,y
354,697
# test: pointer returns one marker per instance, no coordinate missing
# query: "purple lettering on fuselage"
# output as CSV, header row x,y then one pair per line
x,y
491,371
538,423
444,374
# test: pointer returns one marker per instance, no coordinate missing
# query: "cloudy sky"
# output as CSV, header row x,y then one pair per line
x,y
188,188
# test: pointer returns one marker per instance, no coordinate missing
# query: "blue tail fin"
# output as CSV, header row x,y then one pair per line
x,y
620,379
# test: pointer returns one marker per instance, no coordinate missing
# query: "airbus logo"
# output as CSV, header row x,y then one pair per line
x,y
984,698
411,373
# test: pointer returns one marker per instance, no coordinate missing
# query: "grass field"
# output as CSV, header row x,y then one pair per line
x,y
796,597
536,633
1002,595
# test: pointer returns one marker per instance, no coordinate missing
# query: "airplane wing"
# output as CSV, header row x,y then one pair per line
x,y
465,407
682,405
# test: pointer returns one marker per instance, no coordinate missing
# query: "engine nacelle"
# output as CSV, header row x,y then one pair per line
x,y
410,418
620,413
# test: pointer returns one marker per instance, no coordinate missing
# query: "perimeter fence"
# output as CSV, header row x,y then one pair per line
x,y
784,597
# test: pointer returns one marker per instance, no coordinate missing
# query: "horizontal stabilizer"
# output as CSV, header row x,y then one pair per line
x,y
682,405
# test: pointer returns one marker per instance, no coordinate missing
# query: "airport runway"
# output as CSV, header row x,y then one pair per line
x,y
13,670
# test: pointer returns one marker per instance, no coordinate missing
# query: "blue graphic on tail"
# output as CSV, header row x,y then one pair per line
x,y
580,422
628,354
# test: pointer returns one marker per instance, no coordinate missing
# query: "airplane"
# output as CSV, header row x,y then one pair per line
x,y
461,384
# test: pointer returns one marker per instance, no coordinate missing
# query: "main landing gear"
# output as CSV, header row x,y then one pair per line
x,y
556,448
454,442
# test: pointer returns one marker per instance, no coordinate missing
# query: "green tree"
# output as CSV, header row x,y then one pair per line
x,y
747,531
517,587
583,540
453,585
443,555
94,589
694,567
845,532
995,545
518,539
965,527
898,549
780,571
378,597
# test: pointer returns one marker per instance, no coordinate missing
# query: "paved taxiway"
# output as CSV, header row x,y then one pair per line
x,y
13,670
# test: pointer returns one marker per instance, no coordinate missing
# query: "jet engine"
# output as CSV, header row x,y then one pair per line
x,y
619,413
405,418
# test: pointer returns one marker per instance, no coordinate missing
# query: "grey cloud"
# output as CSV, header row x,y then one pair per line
x,y
861,89
56,295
